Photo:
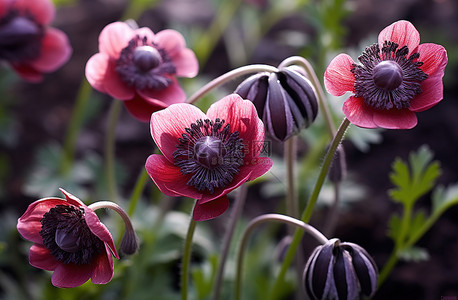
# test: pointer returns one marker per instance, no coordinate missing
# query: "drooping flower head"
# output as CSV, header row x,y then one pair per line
x,y
339,270
140,67
27,42
396,78
69,239
205,156
285,100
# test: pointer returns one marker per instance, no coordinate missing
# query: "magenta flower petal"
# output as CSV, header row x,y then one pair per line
x,y
145,32
172,41
71,275
338,78
72,199
114,37
359,113
168,96
142,109
55,51
43,11
27,72
40,257
395,119
431,95
434,58
242,117
186,63
402,33
114,85
210,210
168,177
96,68
4,6
99,230
103,268
169,124
29,224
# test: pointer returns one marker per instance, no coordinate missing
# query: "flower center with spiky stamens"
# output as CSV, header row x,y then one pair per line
x,y
144,65
67,236
210,154
20,37
388,79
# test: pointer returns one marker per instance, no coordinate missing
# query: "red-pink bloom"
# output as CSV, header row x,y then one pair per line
x,y
397,78
140,67
207,155
26,40
69,239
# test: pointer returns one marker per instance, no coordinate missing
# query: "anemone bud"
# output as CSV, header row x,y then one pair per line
x,y
285,101
338,270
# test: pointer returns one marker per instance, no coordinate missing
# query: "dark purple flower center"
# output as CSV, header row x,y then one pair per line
x,y
210,153
144,65
388,78
20,37
67,236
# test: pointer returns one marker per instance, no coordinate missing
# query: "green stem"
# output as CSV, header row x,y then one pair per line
x,y
309,208
261,220
74,126
187,258
228,77
236,212
113,116
136,193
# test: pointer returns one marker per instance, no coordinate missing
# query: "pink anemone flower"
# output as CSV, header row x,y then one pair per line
x,y
397,78
69,239
27,43
140,67
207,155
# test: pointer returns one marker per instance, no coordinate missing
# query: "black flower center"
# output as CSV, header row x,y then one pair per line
x,y
67,236
210,153
388,78
143,65
20,38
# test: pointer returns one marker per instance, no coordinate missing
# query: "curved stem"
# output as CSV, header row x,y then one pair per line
x,y
113,116
74,126
237,210
298,60
187,258
310,205
116,208
265,219
230,76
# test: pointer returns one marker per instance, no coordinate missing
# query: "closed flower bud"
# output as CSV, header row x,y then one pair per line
x,y
285,101
338,270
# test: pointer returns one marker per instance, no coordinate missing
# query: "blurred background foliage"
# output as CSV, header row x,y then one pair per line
x,y
224,34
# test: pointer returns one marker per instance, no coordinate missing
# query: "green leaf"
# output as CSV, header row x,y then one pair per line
x,y
414,179
417,222
443,198
413,254
394,225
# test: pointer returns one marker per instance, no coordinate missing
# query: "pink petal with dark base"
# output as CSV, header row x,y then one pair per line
x,y
115,37
99,230
434,58
241,115
40,257
210,210
71,275
114,86
395,119
186,63
169,124
338,78
142,109
402,33
29,224
28,73
168,96
432,93
103,268
55,51
358,113
171,41
145,32
42,11
169,178
72,199
96,68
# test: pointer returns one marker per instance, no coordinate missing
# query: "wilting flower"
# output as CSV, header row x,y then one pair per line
x,y
27,43
69,240
285,100
207,155
140,67
396,78
338,270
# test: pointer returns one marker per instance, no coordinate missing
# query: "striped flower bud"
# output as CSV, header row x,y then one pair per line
x,y
338,270
285,101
